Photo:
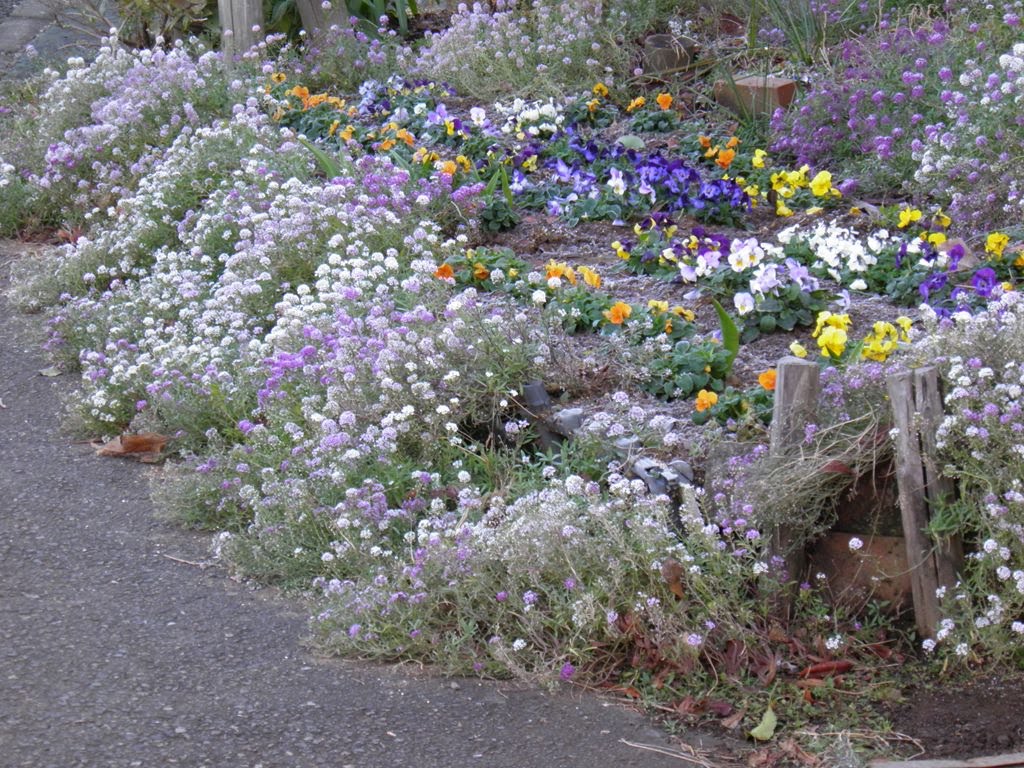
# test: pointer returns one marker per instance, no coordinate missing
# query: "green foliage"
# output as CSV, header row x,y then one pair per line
x,y
143,22
497,215
742,410
653,119
730,334
688,367
370,12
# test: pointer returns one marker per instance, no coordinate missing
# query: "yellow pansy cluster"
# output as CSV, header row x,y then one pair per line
x,y
933,230
830,333
786,183
885,338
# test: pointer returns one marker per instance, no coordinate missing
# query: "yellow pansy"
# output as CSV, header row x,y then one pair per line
x,y
684,313
590,277
828,319
996,243
904,323
908,216
832,341
560,269
821,184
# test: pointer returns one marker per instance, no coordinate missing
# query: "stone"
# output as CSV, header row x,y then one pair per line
x,y
755,94
682,469
652,474
17,33
535,396
626,446
567,421
34,9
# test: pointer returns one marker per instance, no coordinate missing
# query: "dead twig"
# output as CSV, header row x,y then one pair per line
x,y
887,739
692,759
201,565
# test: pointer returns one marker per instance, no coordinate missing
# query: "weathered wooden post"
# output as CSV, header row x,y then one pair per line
x,y
917,410
796,405
316,18
237,20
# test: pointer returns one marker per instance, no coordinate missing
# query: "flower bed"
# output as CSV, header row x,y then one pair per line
x,y
310,291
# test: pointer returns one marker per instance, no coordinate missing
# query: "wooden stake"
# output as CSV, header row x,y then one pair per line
x,y
939,489
237,19
913,503
796,405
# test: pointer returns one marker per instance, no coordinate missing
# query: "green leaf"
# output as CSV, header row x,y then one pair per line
x,y
327,163
684,382
766,728
730,333
629,141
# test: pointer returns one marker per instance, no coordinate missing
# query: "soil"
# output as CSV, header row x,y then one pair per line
x,y
979,717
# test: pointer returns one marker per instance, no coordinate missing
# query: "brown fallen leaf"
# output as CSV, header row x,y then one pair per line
x,y
719,707
794,752
146,446
827,668
732,722
672,573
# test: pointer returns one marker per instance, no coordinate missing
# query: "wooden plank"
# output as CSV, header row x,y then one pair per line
x,y
913,503
995,761
796,405
939,489
796,402
316,20
237,19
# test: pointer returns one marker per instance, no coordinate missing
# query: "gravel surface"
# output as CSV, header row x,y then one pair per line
x,y
6,6
116,649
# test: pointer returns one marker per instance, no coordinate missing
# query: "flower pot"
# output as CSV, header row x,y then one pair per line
x,y
876,570
668,53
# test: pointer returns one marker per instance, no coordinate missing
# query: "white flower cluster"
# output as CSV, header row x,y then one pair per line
x,y
530,119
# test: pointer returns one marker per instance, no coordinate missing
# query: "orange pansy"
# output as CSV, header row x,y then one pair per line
x,y
618,313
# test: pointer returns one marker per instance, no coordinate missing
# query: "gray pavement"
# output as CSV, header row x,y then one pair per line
x,y
31,22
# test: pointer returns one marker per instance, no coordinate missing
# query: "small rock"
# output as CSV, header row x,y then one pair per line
x,y
626,446
650,472
568,421
535,396
682,468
